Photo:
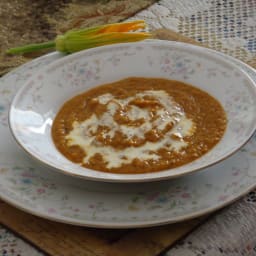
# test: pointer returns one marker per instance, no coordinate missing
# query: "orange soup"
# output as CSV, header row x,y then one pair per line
x,y
138,125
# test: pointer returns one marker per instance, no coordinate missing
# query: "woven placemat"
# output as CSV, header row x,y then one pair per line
x,y
58,239
23,21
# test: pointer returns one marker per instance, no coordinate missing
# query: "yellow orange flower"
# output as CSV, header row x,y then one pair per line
x,y
77,40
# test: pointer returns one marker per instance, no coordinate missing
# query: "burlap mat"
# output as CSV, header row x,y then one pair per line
x,y
25,21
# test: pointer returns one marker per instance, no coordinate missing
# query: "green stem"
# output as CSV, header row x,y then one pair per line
x,y
31,48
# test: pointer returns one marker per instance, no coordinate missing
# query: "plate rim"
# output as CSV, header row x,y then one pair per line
x,y
117,225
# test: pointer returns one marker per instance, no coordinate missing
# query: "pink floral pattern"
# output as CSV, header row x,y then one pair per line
x,y
52,195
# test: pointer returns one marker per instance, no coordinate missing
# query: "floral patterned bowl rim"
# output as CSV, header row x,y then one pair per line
x,y
42,192
37,102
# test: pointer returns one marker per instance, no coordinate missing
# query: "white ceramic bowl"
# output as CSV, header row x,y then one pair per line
x,y
37,102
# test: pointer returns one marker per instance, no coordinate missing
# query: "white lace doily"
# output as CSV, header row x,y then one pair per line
x,y
227,26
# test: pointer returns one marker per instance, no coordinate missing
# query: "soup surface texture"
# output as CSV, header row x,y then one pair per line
x,y
138,125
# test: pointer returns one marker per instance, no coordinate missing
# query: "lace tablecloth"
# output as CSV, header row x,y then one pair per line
x,y
226,26
230,27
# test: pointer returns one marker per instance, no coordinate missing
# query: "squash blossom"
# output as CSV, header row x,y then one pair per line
x,y
77,40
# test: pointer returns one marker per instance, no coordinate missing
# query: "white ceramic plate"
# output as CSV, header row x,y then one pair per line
x,y
36,189
37,102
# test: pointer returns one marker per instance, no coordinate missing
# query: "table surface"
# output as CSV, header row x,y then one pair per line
x,y
230,27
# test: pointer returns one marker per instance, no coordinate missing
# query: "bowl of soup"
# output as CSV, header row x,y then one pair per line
x,y
135,112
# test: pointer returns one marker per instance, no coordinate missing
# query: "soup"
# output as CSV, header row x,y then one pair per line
x,y
138,125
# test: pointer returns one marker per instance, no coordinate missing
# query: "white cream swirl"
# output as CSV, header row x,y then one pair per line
x,y
167,114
